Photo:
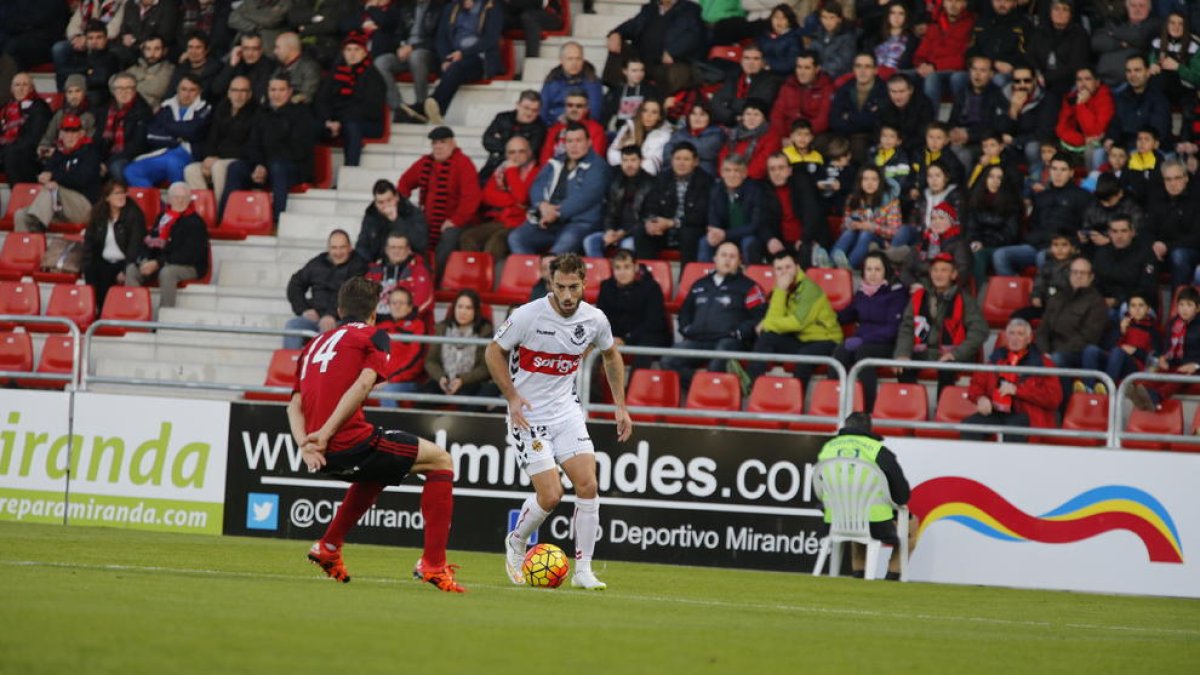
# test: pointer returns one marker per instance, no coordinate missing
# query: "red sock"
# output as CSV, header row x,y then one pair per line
x,y
437,507
358,501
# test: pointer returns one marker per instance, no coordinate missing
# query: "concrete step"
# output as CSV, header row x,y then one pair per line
x,y
596,26
236,304
205,317
217,353
181,372
308,226
238,273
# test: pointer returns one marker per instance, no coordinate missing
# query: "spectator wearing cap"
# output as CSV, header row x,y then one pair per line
x,y
857,104
468,46
228,139
351,100
74,103
388,215
567,199
279,154
753,139
450,193
121,125
525,120
176,132
943,236
153,71
1012,399
23,121
70,181
577,111
941,323
96,62
175,248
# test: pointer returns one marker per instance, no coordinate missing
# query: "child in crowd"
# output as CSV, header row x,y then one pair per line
x,y
799,149
836,40
872,217
1182,355
992,153
937,142
890,158
1052,278
837,179
1137,345
1145,166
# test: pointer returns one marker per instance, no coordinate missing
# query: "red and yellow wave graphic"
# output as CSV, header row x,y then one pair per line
x,y
1094,512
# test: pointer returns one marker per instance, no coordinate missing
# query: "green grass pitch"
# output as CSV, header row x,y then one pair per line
x,y
88,601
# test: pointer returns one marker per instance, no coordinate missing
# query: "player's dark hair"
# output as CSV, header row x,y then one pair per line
x,y
568,263
358,297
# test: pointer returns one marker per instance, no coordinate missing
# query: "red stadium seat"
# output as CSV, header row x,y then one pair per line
x,y
1167,420
22,195
126,303
711,391
57,356
17,297
517,279
692,272
953,406
1085,412
323,165
826,400
837,284
598,269
466,270
206,207
772,394
280,373
70,301
658,388
149,200
16,353
248,212
21,254
52,99
899,401
661,271
727,52
763,275
1004,296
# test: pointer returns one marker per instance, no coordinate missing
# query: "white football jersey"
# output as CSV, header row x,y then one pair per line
x,y
544,351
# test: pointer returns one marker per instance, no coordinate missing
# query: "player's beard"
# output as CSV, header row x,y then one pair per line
x,y
564,311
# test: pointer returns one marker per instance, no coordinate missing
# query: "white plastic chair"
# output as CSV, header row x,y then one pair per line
x,y
848,488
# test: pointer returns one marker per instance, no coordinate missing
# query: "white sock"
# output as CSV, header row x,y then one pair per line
x,y
587,524
532,515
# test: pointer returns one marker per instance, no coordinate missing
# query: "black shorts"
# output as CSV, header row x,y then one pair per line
x,y
884,531
386,457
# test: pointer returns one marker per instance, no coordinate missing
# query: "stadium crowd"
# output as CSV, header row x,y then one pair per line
x,y
927,145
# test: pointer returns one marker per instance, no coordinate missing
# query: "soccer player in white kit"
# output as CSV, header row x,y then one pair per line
x,y
533,360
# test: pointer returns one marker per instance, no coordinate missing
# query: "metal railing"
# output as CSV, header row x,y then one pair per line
x,y
72,330
1112,419
585,382
1122,435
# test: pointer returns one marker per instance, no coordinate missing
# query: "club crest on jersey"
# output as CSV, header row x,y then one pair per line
x,y
537,445
580,335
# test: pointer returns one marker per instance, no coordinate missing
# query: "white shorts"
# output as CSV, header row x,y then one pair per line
x,y
541,446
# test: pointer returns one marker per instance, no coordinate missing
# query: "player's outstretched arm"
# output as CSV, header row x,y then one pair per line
x,y
614,370
497,362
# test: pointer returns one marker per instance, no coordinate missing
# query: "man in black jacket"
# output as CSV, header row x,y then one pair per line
x,y
735,213
1057,208
248,60
979,107
280,151
676,212
752,82
908,111
1002,35
26,118
389,214
720,313
228,138
1031,114
350,103
668,35
633,302
175,248
1172,214
121,127
70,181
525,120
622,211
1124,264
312,291
96,62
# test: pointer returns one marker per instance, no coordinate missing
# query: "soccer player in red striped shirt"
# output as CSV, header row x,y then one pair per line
x,y
334,375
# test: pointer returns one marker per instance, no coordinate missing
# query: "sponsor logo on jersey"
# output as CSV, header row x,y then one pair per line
x,y
546,332
537,446
549,364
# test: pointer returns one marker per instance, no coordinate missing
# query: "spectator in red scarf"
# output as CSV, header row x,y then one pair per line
x,y
23,120
351,101
753,139
1182,357
941,323
401,267
70,181
175,248
944,235
74,103
121,126
407,360
450,192
1011,399
505,201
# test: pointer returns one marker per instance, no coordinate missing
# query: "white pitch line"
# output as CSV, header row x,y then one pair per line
x,y
798,609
